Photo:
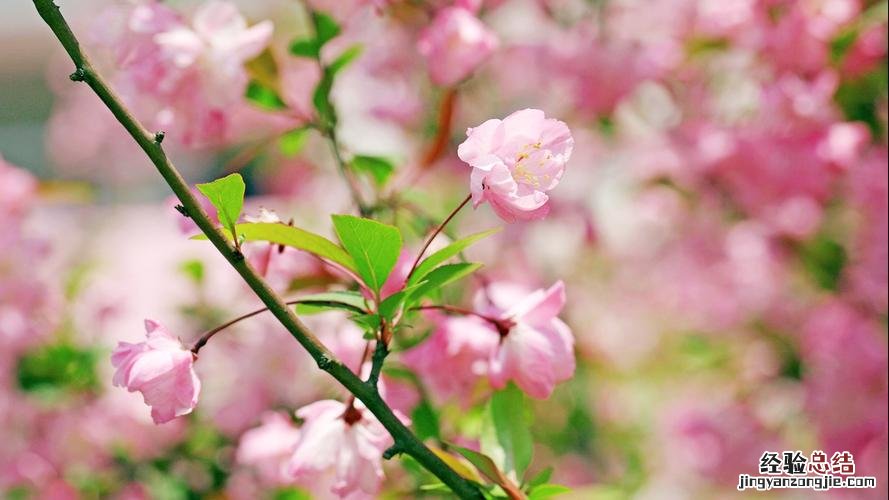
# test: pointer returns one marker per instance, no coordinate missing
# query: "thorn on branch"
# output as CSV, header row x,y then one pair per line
x,y
324,362
182,210
237,256
159,137
393,450
78,76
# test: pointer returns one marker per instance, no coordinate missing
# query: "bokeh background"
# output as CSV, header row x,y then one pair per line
x,y
721,229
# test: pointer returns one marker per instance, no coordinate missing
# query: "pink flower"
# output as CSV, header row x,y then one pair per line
x,y
464,344
17,189
269,446
515,161
161,369
347,443
454,45
219,42
538,349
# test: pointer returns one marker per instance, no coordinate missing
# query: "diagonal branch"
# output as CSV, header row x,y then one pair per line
x,y
151,145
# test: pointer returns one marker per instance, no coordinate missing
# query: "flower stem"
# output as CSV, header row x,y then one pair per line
x,y
436,233
150,144
503,325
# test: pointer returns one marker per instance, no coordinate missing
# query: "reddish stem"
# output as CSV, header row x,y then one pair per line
x,y
436,233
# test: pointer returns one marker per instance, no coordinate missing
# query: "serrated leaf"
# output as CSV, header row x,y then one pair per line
x,y
326,28
227,196
441,276
294,237
305,47
547,491
292,141
264,97
379,169
506,435
342,300
429,263
374,246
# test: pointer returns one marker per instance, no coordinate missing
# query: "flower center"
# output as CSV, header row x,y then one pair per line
x,y
530,163
351,415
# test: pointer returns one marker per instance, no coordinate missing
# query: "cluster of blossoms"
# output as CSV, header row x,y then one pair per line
x,y
722,231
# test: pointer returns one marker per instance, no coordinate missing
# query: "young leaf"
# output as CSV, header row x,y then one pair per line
x,y
441,276
227,195
321,100
295,237
429,263
379,169
291,143
343,300
541,478
264,97
547,491
305,47
487,467
373,245
505,431
460,465
345,58
326,28
424,420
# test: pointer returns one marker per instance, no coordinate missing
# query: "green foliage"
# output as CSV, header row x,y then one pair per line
x,y
441,276
294,237
290,493
547,491
379,169
193,269
424,420
429,263
292,142
305,47
824,260
264,96
374,246
859,99
227,195
342,300
506,435
59,367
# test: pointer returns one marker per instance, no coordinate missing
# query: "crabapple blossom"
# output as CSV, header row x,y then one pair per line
x,y
455,44
161,369
462,343
218,42
537,351
269,446
515,161
342,445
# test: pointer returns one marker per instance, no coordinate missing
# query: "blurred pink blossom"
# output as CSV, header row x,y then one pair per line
x,y
515,161
340,447
269,446
161,369
454,45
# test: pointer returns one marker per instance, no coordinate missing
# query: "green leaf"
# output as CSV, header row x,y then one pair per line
x,y
294,237
373,245
345,58
490,470
429,263
506,435
291,143
326,28
547,491
344,300
369,322
321,100
825,260
305,47
441,276
424,420
379,169
460,465
264,97
57,368
193,269
227,195
541,478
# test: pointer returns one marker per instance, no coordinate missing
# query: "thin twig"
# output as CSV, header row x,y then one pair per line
x,y
150,144
434,234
